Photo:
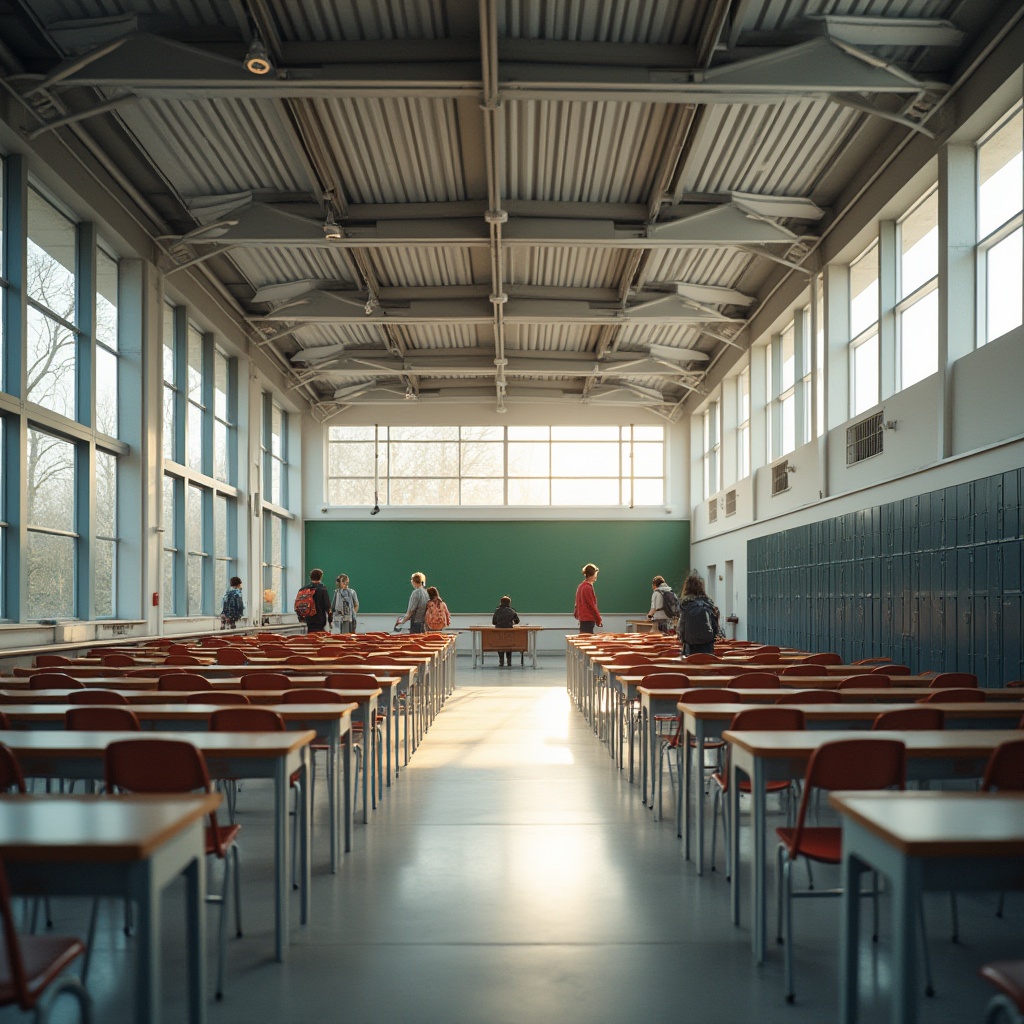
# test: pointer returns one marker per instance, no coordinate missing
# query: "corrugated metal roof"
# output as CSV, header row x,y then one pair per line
x,y
421,267
566,266
620,21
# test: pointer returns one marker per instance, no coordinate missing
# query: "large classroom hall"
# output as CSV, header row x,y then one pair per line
x,y
478,293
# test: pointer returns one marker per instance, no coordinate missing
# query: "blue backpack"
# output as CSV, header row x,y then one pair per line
x,y
233,608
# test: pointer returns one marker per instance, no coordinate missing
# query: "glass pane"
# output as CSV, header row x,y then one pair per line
x,y
919,340
483,492
1000,176
195,585
351,459
51,258
106,392
51,576
744,396
275,482
276,540
648,492
106,300
424,492
194,520
919,245
529,459
743,452
272,589
421,459
1004,285
350,434
584,433
52,359
646,433
220,450
482,433
168,522
195,437
104,552
169,424
220,525
585,492
343,491
585,459
423,433
482,458
865,375
277,431
168,592
788,363
105,491
529,433
529,492
195,365
864,292
169,344
648,460
50,481
220,385
788,424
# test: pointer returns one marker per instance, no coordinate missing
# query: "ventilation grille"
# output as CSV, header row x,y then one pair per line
x,y
713,511
864,439
730,502
780,477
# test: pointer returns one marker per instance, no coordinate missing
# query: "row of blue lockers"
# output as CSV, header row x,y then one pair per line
x,y
933,581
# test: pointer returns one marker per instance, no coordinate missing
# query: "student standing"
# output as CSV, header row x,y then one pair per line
x,y
414,614
505,617
318,615
586,600
436,616
698,620
664,607
232,607
344,606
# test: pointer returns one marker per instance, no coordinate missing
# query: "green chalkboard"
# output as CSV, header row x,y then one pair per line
x,y
473,563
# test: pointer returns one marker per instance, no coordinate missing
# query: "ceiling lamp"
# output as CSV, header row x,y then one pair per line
x,y
332,230
257,60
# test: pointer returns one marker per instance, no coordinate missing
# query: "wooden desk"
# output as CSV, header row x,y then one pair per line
x,y
128,847
642,626
521,639
765,756
709,721
921,842
229,755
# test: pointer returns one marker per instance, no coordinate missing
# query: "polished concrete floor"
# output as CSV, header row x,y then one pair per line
x,y
511,875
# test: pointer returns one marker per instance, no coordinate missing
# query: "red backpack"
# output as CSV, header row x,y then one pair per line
x,y
305,603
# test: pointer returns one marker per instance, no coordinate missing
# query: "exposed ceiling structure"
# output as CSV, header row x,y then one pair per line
x,y
497,201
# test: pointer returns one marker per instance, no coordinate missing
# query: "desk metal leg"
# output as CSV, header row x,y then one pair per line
x,y
333,750
305,858
759,897
734,839
346,769
849,939
280,862
195,929
147,991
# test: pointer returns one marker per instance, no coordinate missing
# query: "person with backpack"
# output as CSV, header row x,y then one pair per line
x,y
416,611
344,606
698,621
505,617
232,606
664,605
313,603
435,615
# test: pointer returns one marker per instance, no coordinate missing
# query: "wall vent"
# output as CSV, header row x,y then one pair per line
x,y
780,477
864,438
713,510
730,502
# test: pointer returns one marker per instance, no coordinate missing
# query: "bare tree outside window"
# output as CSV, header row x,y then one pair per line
x,y
50,486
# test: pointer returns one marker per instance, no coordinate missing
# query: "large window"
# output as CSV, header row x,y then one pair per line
x,y
104,536
496,466
275,453
170,392
196,413
274,577
1001,227
917,308
52,534
712,440
171,600
196,554
743,424
223,418
106,343
864,356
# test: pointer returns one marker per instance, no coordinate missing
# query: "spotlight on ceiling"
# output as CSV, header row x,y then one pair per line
x,y
332,232
257,60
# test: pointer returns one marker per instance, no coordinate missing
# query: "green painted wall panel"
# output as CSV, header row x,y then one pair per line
x,y
474,563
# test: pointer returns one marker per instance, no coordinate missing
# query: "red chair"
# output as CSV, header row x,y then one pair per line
x,y
117,660
222,697
351,681
859,764
749,718
174,766
904,719
1008,978
892,670
183,682
173,648
808,697
764,658
827,658
701,659
5,722
299,659
54,681
230,656
872,661
113,719
181,659
756,681
1005,769
11,779
266,681
91,696
954,696
802,669
864,681
953,679
51,660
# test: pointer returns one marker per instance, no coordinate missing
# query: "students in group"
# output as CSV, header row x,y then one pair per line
x,y
435,615
586,600
698,618
414,614
505,617
232,606
344,606
313,603
664,606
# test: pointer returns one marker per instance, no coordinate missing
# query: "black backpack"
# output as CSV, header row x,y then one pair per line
x,y
697,624
670,604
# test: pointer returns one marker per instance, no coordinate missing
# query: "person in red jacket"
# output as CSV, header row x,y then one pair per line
x,y
586,600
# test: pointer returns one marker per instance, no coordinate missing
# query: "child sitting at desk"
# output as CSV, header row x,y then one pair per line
x,y
504,617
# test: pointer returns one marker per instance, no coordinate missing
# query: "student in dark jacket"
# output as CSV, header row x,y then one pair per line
x,y
505,617
318,623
